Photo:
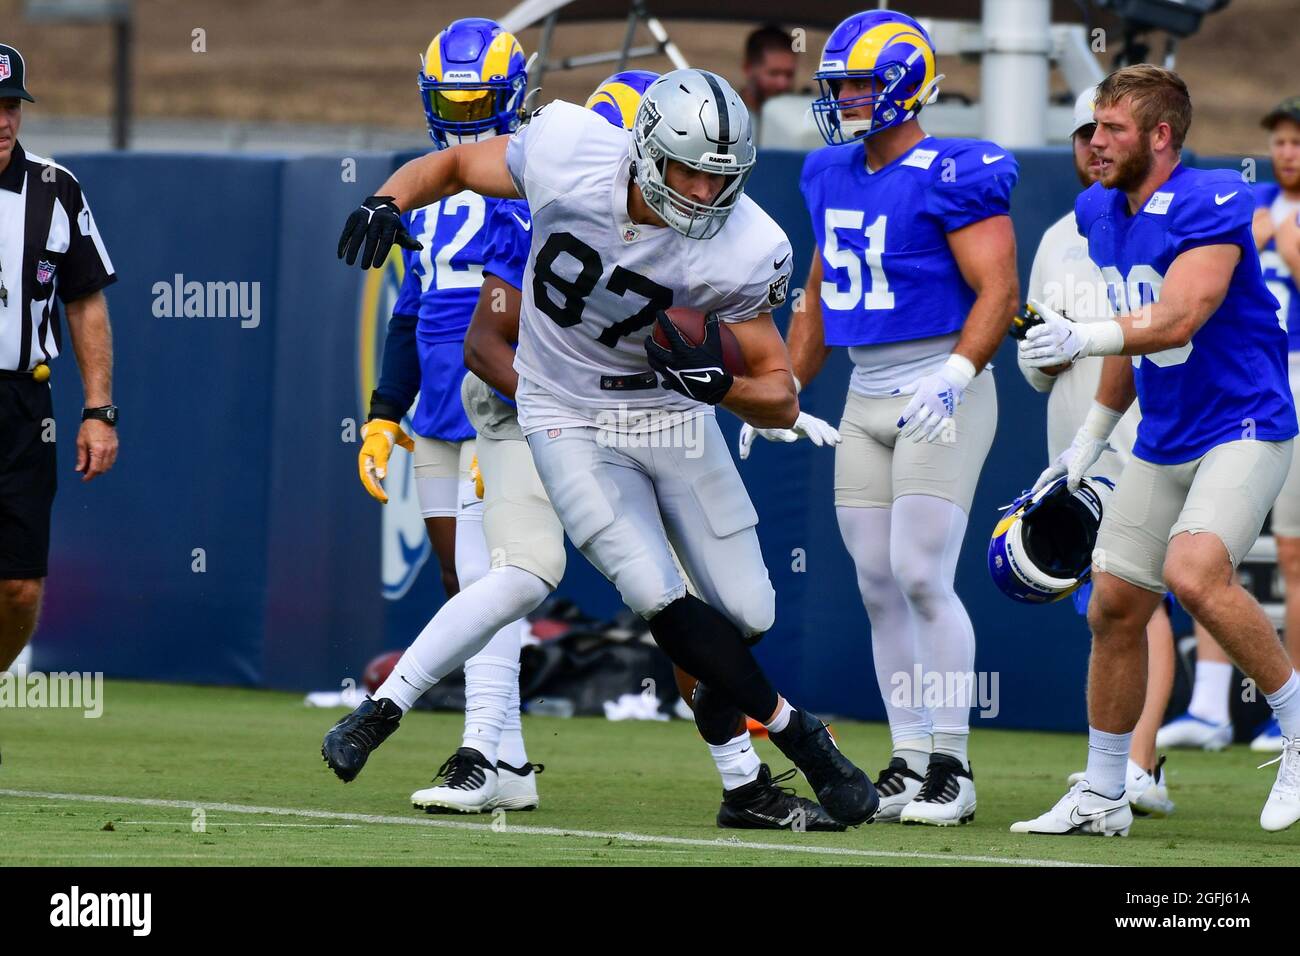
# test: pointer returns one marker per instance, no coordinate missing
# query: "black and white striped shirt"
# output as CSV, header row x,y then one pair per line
x,y
49,246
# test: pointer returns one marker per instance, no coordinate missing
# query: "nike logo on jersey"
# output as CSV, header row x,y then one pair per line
x,y
991,159
1220,200
780,262
525,226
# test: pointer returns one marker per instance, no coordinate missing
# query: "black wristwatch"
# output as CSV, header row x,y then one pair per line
x,y
104,413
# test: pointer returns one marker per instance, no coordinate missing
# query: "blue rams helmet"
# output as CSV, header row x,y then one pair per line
x,y
894,54
619,95
473,81
1042,548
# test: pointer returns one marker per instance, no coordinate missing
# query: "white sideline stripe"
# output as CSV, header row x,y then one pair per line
x,y
514,828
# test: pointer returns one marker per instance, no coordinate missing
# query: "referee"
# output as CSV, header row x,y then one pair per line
x,y
50,252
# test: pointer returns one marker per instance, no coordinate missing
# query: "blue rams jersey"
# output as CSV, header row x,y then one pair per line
x,y
888,274
507,254
1230,381
441,287
1277,276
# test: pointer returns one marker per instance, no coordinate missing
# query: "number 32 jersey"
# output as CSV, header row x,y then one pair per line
x,y
888,274
1230,381
595,279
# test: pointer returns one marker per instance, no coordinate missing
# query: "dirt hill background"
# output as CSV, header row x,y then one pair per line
x,y
332,61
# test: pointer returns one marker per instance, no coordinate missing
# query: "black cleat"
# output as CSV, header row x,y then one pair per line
x,y
349,742
845,791
765,805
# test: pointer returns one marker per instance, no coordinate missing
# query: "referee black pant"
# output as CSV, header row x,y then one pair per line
x,y
28,476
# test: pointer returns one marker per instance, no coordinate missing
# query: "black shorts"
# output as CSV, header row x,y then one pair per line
x,y
28,477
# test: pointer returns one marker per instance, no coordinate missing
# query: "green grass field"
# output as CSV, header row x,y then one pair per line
x,y
122,790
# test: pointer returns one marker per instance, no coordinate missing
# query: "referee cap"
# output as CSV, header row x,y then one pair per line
x,y
1083,107
12,74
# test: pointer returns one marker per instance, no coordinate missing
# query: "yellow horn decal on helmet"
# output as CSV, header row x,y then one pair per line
x,y
619,95
433,59
1007,521
500,50
868,47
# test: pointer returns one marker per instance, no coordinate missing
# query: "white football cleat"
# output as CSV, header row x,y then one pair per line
x,y
1269,740
516,787
469,784
898,786
1081,811
946,798
1188,730
1283,806
1147,793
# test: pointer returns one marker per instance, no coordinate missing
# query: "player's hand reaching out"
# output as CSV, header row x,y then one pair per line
x,y
816,430
379,436
376,224
1055,341
935,398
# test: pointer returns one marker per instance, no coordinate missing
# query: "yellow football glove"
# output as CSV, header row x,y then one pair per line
x,y
478,477
372,463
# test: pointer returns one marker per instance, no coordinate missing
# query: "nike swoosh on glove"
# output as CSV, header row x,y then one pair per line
x,y
376,223
695,371
935,398
816,430
379,436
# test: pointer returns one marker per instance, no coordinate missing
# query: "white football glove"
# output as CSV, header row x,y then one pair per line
x,y
935,398
1090,442
816,430
1058,341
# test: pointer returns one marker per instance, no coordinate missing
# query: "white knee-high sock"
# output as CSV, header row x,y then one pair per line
x,y
460,629
491,675
491,682
925,541
511,749
893,633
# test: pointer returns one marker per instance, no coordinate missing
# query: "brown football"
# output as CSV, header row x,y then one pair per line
x,y
690,322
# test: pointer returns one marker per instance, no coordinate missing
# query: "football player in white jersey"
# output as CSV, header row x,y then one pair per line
x,y
623,228
1065,279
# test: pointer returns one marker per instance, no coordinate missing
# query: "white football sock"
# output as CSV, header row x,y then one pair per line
x,y
488,682
952,744
460,629
1210,692
916,752
472,559
893,634
736,761
511,749
1285,702
925,539
1107,762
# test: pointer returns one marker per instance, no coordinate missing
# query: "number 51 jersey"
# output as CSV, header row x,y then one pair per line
x,y
1230,381
595,279
888,274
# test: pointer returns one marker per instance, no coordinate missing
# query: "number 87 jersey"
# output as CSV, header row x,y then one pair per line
x,y
595,280
888,274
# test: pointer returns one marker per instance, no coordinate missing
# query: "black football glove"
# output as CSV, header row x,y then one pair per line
x,y
694,370
376,222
